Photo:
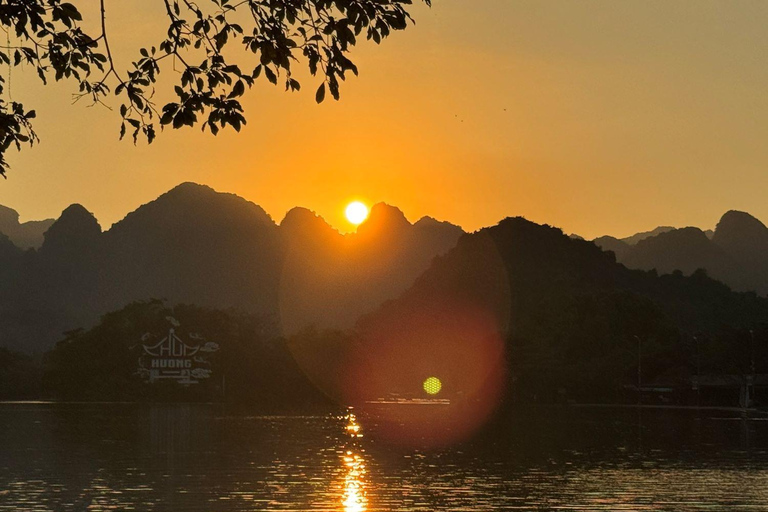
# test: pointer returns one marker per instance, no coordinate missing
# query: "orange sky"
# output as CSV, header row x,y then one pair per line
x,y
595,116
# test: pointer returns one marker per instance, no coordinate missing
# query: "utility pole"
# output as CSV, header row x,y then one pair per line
x,y
752,364
639,370
698,372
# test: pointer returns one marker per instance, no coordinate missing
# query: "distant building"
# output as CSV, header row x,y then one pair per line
x,y
172,358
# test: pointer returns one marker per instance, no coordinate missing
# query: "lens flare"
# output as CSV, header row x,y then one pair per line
x,y
432,385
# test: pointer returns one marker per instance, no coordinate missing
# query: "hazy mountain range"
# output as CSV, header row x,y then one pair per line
x,y
523,306
23,234
516,310
196,245
736,252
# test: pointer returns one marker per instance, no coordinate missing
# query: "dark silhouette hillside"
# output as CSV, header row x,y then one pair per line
x,y
569,318
520,312
330,279
637,237
10,267
194,245
685,249
198,246
619,247
736,253
745,239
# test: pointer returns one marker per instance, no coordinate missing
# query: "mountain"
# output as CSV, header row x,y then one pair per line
x,y
556,316
330,279
685,249
736,252
194,245
24,235
745,239
637,237
68,261
198,246
11,258
619,247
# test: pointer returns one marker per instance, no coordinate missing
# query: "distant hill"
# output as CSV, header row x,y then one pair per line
x,y
736,252
619,247
195,245
557,315
684,249
745,239
331,279
24,235
637,237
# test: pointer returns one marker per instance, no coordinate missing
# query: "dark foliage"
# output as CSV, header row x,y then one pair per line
x,y
20,375
253,365
273,34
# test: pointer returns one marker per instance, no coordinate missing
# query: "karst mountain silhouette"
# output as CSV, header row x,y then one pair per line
x,y
195,245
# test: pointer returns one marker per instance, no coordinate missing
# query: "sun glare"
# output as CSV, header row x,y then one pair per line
x,y
356,212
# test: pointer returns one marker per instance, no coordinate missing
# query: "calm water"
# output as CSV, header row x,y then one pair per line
x,y
198,458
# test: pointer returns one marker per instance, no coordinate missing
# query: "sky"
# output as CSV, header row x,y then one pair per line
x,y
596,116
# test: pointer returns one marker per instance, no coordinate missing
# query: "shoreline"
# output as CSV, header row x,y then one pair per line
x,y
741,410
750,410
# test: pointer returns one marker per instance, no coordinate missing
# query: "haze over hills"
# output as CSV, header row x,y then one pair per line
x,y
637,237
736,252
330,279
23,234
196,245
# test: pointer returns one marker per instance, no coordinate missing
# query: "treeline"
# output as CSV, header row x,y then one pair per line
x,y
20,375
252,365
585,348
582,349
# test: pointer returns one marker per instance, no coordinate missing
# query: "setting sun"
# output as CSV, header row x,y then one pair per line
x,y
356,212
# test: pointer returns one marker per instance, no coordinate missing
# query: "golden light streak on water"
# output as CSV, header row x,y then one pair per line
x,y
353,427
354,498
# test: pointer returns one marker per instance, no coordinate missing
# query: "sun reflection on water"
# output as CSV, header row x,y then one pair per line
x,y
354,497
353,427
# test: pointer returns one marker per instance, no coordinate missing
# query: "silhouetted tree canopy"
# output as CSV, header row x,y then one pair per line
x,y
48,35
252,367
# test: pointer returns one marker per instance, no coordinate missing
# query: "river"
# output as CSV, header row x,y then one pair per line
x,y
78,457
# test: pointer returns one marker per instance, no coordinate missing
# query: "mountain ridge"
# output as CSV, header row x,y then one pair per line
x,y
193,244
736,252
25,235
